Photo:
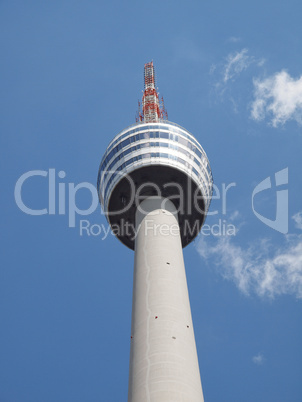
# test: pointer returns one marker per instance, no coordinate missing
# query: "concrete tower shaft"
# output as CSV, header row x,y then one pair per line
x,y
163,357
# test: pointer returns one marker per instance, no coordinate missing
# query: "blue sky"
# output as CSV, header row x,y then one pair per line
x,y
71,75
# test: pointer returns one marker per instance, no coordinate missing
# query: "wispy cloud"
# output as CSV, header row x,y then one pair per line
x,y
235,215
236,63
234,39
298,219
258,359
279,97
225,76
257,269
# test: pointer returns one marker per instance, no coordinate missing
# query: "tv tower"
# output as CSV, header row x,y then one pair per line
x,y
155,187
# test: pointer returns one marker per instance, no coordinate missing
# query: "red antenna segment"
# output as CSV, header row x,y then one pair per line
x,y
153,110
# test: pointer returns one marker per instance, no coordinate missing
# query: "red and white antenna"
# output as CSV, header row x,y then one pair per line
x,y
153,110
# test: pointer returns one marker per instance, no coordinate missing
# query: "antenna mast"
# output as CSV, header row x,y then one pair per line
x,y
153,109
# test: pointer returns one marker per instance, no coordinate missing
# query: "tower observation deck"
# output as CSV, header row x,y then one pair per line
x,y
155,187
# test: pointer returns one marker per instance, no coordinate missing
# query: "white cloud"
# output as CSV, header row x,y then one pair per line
x,y
253,270
234,39
298,219
278,96
236,63
261,62
258,359
226,73
212,68
235,215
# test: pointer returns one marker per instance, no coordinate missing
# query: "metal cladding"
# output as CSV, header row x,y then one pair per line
x,y
155,158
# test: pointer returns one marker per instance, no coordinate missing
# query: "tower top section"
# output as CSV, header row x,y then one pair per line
x,y
154,158
153,109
